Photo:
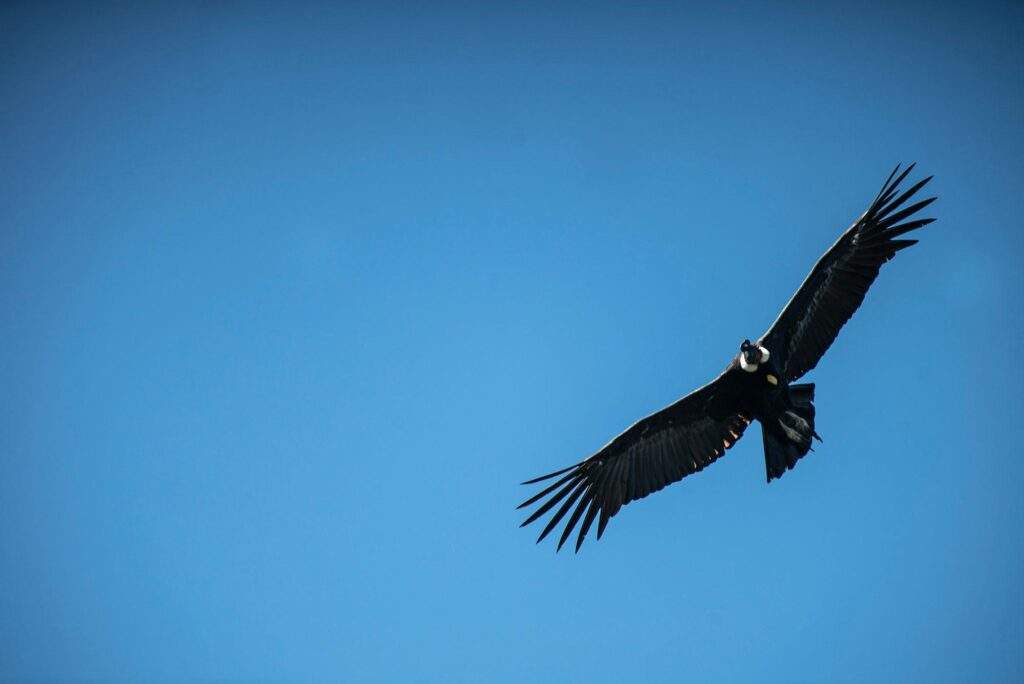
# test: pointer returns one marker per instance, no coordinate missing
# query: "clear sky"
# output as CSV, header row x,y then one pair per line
x,y
293,297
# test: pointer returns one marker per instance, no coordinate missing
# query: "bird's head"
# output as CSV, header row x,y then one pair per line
x,y
752,355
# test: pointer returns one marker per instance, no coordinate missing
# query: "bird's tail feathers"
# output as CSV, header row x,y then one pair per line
x,y
790,440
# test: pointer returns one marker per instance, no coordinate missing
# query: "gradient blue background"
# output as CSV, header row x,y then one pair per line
x,y
292,299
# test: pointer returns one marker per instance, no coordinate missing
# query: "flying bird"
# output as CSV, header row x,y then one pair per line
x,y
683,438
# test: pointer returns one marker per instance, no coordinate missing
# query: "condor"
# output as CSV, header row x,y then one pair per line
x,y
683,438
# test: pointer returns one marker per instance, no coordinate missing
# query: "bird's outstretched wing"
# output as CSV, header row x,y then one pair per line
x,y
836,286
660,449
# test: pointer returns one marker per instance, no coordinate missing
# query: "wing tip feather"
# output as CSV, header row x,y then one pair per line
x,y
551,475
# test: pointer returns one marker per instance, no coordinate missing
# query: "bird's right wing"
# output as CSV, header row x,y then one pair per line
x,y
837,284
656,451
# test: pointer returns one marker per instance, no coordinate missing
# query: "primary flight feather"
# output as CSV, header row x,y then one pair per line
x,y
756,385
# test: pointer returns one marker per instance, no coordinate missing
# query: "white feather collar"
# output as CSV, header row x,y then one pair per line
x,y
752,367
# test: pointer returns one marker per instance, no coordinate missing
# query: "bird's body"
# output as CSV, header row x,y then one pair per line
x,y
760,392
757,384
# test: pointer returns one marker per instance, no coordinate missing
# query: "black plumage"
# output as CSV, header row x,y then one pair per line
x,y
690,434
837,284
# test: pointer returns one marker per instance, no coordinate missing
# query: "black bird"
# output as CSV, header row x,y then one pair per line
x,y
683,438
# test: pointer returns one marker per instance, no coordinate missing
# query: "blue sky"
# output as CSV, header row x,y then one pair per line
x,y
293,298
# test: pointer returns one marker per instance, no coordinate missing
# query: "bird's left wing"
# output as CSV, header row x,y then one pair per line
x,y
836,286
660,449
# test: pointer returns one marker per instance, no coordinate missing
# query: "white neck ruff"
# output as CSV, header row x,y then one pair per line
x,y
752,367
